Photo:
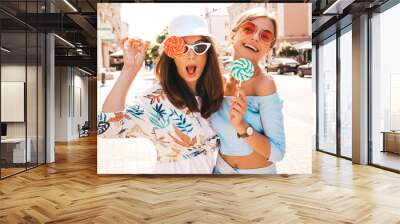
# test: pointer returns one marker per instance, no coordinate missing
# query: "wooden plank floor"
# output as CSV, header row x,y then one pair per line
x,y
70,191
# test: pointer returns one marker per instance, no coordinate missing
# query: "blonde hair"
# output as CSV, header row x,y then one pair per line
x,y
253,14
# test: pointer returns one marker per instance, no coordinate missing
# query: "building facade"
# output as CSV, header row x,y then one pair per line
x,y
219,26
109,30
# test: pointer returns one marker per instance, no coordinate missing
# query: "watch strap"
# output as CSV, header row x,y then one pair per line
x,y
244,135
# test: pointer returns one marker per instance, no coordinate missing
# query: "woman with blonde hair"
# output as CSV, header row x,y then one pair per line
x,y
251,125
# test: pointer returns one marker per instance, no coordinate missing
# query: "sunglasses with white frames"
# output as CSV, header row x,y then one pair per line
x,y
198,48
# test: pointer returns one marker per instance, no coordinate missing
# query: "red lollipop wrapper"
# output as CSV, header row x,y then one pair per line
x,y
174,46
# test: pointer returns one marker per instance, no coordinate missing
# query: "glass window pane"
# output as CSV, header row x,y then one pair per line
x,y
31,98
23,86
13,86
327,96
346,94
385,89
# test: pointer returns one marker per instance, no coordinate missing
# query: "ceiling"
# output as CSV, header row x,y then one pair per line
x,y
76,20
330,15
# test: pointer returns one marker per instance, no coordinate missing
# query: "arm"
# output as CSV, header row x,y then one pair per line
x,y
134,51
115,120
115,100
271,143
272,122
258,142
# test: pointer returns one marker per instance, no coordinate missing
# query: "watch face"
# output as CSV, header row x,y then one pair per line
x,y
249,131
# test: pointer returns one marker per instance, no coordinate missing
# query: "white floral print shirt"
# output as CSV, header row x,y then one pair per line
x,y
185,141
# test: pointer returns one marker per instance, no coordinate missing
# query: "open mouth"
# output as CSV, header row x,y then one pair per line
x,y
251,47
191,69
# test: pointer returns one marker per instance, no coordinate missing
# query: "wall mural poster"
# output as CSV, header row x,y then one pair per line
x,y
220,88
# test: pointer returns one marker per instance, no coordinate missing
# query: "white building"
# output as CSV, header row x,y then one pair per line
x,y
109,31
124,29
219,26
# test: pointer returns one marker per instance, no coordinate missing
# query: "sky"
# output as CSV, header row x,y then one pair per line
x,y
147,20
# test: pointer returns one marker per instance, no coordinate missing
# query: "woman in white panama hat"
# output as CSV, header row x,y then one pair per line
x,y
173,113
254,139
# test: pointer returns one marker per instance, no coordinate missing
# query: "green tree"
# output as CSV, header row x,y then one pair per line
x,y
287,50
152,52
162,35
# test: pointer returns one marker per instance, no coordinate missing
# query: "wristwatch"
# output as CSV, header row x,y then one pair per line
x,y
249,132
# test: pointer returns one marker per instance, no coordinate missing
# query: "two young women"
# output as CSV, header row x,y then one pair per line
x,y
186,115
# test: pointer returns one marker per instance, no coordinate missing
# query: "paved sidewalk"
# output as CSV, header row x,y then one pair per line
x,y
298,113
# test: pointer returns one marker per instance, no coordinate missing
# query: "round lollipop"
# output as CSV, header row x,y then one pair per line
x,y
174,46
242,70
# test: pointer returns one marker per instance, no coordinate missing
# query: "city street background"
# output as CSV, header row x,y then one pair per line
x,y
293,47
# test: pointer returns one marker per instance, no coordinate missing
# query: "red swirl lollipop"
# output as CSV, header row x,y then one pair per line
x,y
174,46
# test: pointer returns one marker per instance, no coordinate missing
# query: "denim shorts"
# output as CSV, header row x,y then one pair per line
x,y
223,167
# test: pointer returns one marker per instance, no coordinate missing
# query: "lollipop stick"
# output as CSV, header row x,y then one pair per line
x,y
240,84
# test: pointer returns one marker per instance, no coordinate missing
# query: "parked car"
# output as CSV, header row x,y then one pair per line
x,y
282,65
304,70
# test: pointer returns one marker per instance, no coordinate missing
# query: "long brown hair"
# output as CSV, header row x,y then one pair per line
x,y
209,86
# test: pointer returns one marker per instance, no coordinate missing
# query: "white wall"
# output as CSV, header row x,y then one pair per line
x,y
13,73
80,83
61,103
33,126
12,101
69,82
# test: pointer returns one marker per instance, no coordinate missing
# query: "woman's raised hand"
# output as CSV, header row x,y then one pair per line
x,y
238,110
134,52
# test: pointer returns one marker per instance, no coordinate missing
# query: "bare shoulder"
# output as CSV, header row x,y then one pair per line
x,y
264,85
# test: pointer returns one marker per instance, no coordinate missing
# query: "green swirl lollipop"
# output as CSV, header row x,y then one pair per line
x,y
242,70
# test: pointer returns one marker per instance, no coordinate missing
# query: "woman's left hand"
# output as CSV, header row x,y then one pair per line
x,y
238,109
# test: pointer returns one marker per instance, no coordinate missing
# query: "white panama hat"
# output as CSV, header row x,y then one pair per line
x,y
188,25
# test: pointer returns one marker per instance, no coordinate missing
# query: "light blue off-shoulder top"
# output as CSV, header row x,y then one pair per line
x,y
264,114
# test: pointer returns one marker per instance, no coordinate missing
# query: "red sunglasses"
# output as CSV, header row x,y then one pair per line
x,y
251,28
